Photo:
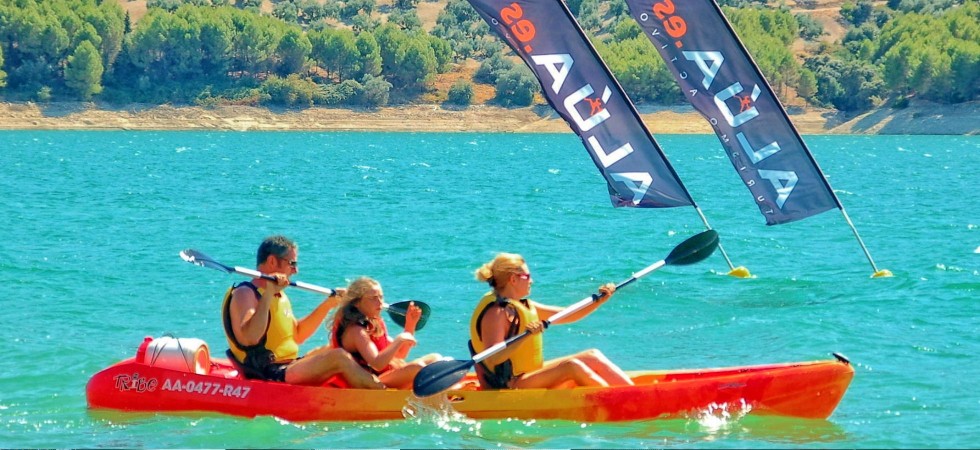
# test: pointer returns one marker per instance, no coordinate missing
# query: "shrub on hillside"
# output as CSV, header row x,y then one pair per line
x,y
375,93
491,68
516,87
339,94
289,91
461,93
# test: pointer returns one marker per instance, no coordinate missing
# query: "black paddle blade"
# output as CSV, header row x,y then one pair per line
x,y
200,259
694,249
398,310
439,376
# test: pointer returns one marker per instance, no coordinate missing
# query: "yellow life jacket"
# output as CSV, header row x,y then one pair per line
x,y
278,337
529,354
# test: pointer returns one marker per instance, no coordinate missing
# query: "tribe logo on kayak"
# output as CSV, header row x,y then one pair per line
x,y
135,382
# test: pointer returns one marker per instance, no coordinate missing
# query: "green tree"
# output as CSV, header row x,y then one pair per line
x,y
626,29
416,63
255,42
406,20
34,45
806,88
109,20
932,55
370,54
848,85
216,43
294,48
352,8
336,52
83,71
442,51
287,11
162,48
641,71
312,11
964,71
491,68
390,38
810,28
858,12
346,58
768,35
406,4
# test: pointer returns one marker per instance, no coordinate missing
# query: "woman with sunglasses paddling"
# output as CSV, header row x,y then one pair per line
x,y
505,312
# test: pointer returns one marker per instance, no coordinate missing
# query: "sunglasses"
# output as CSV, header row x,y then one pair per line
x,y
523,276
292,262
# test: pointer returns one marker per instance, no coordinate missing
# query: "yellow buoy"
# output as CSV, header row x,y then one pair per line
x,y
740,272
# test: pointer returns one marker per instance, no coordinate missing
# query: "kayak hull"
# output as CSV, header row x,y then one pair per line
x,y
804,389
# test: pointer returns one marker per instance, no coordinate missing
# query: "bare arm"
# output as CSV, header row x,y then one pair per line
x,y
308,325
357,340
546,311
412,316
250,314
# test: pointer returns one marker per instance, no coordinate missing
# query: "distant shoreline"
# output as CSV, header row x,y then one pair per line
x,y
919,118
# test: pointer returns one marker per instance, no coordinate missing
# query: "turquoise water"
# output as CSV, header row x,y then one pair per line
x,y
94,222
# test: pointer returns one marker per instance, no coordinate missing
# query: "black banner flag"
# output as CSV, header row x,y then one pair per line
x,y
718,76
583,91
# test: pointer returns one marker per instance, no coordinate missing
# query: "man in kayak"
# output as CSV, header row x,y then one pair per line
x,y
264,336
505,312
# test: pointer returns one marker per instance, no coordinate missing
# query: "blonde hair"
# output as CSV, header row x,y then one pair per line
x,y
497,271
347,313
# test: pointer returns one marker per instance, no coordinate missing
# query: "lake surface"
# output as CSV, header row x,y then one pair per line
x,y
94,222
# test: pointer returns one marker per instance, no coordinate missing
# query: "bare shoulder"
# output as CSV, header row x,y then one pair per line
x,y
498,313
243,293
355,338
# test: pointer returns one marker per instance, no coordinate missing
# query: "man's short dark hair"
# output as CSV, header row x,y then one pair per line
x,y
274,245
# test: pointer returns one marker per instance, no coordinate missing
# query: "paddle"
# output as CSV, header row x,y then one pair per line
x,y
397,311
441,375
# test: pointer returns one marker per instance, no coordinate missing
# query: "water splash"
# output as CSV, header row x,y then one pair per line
x,y
720,417
437,410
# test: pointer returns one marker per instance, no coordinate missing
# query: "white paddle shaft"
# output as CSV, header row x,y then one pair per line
x,y
571,309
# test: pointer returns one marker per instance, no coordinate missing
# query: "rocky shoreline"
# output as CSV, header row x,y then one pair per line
x,y
919,118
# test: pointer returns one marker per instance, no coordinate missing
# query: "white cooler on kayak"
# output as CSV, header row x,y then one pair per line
x,y
183,354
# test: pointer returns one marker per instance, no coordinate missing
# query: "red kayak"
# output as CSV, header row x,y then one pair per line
x,y
179,375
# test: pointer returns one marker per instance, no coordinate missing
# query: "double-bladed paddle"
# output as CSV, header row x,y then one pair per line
x,y
442,375
397,311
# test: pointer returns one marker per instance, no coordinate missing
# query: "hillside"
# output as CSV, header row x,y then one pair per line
x,y
827,12
426,115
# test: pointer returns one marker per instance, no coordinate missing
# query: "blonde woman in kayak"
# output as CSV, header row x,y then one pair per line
x,y
359,328
505,311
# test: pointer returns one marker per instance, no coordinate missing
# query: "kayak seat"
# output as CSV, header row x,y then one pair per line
x,y
246,372
337,382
